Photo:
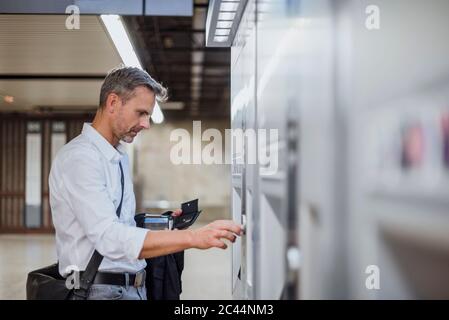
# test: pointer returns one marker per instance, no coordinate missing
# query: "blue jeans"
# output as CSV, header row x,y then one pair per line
x,y
112,292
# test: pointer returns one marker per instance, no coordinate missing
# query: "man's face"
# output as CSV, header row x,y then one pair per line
x,y
134,115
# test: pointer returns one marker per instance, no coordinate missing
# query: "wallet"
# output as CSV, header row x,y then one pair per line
x,y
165,220
189,215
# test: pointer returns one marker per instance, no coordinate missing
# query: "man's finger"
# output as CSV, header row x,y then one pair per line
x,y
229,226
222,245
227,235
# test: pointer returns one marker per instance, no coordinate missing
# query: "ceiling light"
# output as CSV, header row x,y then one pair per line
x,y
229,6
119,36
196,69
168,42
223,16
198,57
157,116
8,99
222,32
220,38
196,79
228,16
224,24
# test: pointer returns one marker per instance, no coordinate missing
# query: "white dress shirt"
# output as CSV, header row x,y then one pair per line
x,y
85,191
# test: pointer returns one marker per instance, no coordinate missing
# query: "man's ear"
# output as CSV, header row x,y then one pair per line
x,y
111,102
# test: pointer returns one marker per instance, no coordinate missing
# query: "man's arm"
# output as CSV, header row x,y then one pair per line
x,y
159,243
95,212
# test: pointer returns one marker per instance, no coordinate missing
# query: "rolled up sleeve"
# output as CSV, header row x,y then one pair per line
x,y
94,209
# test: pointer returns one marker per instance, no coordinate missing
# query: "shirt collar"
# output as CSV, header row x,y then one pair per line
x,y
112,154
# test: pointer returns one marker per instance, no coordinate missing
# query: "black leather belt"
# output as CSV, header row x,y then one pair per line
x,y
121,279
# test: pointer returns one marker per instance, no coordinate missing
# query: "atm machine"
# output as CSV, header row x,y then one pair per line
x,y
244,184
258,118
264,106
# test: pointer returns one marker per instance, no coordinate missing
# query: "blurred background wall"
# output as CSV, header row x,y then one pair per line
x,y
164,185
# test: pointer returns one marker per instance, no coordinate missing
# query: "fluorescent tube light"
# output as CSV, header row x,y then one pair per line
x,y
157,116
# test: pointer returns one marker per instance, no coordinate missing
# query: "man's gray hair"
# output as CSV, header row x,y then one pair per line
x,y
123,80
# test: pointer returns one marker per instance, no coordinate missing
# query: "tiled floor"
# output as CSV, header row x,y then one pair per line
x,y
206,273
20,254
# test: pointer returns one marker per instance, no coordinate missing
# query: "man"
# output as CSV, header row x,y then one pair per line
x,y
88,209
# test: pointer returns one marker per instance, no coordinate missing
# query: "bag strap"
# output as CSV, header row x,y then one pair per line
x,y
94,263
122,182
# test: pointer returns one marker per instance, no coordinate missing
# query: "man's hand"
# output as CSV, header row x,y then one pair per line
x,y
212,234
159,243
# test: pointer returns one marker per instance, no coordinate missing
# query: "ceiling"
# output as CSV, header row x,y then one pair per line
x,y
173,50
48,68
44,65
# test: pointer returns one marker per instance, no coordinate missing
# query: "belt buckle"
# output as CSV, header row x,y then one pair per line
x,y
139,279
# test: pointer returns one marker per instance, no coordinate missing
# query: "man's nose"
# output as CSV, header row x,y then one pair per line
x,y
145,123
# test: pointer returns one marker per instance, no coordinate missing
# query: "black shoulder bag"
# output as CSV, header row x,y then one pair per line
x,y
48,284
